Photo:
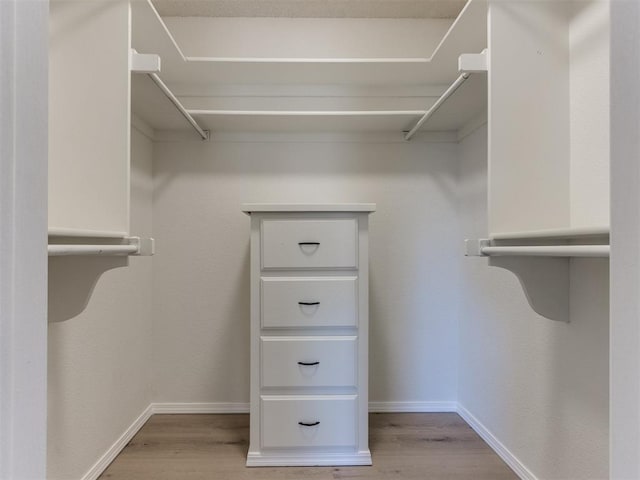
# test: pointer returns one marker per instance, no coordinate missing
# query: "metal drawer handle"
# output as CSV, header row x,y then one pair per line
x,y
308,424
308,303
308,243
308,364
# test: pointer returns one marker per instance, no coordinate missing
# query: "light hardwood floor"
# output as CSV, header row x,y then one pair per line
x,y
404,446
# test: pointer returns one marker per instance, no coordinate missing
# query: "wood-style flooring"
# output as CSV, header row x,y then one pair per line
x,y
404,446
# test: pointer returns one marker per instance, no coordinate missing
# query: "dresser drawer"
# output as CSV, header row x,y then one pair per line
x,y
309,302
330,421
309,243
308,361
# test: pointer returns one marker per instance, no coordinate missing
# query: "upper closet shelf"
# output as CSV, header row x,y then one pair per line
x,y
467,34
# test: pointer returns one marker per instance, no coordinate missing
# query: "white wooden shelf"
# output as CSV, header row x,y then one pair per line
x,y
190,76
553,234
468,34
306,121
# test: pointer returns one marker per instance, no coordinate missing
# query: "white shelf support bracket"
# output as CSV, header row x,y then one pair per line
x,y
144,62
473,247
145,247
473,62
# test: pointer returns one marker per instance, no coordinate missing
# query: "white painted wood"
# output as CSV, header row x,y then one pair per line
x,y
507,455
144,62
89,115
473,62
112,452
336,299
528,116
23,216
547,250
466,35
556,233
178,105
341,350
242,407
76,232
548,115
434,108
282,415
135,246
331,361
308,207
306,121
201,407
625,242
330,243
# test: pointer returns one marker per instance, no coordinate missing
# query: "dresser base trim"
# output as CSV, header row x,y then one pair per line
x,y
309,460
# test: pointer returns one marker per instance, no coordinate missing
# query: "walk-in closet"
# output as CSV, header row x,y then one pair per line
x,y
376,239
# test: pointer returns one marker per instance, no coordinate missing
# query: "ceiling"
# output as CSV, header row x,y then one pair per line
x,y
311,8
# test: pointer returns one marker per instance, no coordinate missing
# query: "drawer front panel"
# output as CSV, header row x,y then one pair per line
x,y
330,243
330,421
308,361
309,302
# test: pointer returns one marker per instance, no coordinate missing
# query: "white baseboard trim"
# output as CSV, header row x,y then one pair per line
x,y
315,460
503,452
240,407
416,407
203,407
101,465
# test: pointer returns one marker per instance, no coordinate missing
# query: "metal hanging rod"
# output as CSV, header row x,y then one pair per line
x,y
136,246
434,108
204,134
484,248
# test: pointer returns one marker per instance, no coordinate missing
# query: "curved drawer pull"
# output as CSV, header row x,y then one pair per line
x,y
308,243
308,303
308,424
308,364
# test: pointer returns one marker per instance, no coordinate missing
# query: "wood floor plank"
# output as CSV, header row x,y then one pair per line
x,y
404,446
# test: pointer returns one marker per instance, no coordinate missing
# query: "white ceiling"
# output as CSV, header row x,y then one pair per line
x,y
311,8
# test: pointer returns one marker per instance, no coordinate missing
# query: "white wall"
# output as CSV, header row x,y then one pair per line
x,y
100,342
307,37
201,268
541,387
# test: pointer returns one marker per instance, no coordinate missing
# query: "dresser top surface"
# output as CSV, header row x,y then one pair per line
x,y
250,208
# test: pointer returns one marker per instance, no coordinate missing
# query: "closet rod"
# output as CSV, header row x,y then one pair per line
x,y
434,108
169,94
143,247
104,250
548,251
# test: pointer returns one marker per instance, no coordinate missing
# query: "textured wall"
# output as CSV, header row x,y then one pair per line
x,y
100,341
540,386
201,269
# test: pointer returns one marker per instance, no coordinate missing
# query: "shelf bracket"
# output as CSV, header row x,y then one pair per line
x,y
473,62
144,62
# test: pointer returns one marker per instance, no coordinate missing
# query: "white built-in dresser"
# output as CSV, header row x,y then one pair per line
x,y
309,334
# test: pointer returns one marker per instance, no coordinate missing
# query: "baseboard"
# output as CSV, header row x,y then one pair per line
x,y
315,460
240,407
503,452
101,465
201,407
416,407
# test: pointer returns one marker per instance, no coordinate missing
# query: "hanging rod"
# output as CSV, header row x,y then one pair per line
x,y
136,246
434,108
484,248
204,134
